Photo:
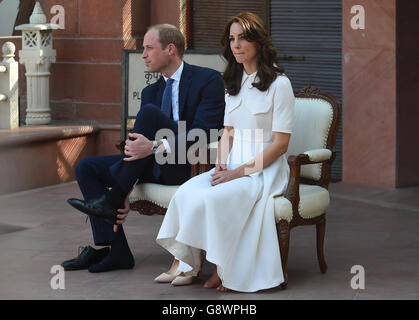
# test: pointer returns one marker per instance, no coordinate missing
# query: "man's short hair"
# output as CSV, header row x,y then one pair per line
x,y
170,34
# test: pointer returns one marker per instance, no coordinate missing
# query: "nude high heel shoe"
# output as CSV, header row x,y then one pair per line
x,y
166,277
169,276
184,280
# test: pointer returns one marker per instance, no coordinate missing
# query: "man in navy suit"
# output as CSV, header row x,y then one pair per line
x,y
189,95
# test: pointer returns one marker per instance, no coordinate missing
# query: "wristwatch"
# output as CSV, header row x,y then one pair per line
x,y
155,147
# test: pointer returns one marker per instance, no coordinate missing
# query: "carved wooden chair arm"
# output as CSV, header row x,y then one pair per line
x,y
292,193
209,161
120,146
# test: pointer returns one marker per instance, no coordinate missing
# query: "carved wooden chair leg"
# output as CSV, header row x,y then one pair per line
x,y
284,241
321,230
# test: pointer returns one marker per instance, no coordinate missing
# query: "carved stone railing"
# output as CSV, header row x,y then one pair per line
x,y
9,108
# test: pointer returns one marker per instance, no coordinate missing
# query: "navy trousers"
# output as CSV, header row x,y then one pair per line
x,y
96,174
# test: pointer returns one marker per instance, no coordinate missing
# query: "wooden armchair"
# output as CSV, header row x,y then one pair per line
x,y
310,156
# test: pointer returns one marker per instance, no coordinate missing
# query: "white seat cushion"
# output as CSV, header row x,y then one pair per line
x,y
314,201
156,193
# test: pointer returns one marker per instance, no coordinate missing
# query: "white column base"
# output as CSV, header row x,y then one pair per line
x,y
38,117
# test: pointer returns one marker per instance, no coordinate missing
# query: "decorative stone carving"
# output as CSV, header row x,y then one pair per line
x,y
9,113
37,55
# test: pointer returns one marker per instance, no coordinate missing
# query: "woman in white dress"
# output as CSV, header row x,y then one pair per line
x,y
228,211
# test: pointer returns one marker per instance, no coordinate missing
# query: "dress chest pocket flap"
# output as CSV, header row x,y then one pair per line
x,y
259,107
233,102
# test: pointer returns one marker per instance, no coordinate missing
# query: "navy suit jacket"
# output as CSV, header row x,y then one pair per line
x,y
201,106
201,100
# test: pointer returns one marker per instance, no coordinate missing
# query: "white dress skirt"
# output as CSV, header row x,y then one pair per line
x,y
234,221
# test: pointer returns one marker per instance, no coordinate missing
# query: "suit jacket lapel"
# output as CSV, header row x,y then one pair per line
x,y
184,85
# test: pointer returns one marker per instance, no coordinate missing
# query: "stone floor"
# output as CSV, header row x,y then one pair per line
x,y
375,228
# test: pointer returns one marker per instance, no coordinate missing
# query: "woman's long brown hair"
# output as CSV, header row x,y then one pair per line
x,y
268,66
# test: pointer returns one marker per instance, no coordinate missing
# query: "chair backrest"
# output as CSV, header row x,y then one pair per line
x,y
315,127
